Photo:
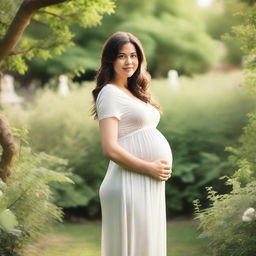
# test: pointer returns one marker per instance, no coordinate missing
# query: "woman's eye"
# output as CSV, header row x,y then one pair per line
x,y
120,56
134,56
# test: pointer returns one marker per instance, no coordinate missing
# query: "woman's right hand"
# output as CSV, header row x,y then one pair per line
x,y
160,169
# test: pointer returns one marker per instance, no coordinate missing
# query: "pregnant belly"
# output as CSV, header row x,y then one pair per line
x,y
148,144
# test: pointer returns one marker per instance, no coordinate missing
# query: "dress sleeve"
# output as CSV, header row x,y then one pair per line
x,y
108,104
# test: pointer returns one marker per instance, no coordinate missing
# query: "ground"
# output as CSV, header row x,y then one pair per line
x,y
83,239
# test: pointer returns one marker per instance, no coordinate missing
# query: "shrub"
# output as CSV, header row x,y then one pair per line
x,y
200,118
223,224
26,208
222,221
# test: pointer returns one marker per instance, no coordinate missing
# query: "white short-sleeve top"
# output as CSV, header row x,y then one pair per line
x,y
133,114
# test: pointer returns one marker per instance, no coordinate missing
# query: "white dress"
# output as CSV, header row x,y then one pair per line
x,y
133,204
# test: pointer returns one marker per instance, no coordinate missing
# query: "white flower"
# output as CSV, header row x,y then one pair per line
x,y
249,215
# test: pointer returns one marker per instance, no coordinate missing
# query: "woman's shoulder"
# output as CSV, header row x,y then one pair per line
x,y
108,92
107,88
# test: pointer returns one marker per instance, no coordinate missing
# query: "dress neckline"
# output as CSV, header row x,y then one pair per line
x,y
139,101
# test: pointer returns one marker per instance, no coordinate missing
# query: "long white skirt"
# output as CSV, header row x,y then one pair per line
x,y
133,205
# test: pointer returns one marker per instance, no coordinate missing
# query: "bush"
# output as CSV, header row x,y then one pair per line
x,y
200,118
26,208
223,223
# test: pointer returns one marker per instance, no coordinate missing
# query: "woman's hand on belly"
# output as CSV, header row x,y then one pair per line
x,y
160,169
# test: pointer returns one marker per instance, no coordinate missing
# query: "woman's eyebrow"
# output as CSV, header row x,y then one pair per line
x,y
125,53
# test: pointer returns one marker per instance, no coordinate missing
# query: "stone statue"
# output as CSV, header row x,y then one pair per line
x,y
8,94
173,78
63,88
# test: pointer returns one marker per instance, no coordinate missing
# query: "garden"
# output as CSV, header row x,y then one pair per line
x,y
52,162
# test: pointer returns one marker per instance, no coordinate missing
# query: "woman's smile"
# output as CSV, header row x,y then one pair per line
x,y
128,68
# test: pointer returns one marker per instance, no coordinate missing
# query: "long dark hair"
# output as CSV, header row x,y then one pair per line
x,y
138,83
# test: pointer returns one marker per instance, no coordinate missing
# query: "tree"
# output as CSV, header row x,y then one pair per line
x,y
52,32
219,19
56,16
172,33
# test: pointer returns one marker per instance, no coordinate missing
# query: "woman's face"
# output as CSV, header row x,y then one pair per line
x,y
126,62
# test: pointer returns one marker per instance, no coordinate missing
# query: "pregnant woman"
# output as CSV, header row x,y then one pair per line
x,y
132,194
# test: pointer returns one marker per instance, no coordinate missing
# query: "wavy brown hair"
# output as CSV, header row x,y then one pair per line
x,y
138,83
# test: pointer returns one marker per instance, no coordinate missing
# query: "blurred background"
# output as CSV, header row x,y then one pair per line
x,y
197,74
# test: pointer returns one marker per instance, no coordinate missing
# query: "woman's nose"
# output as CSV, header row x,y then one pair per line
x,y
128,59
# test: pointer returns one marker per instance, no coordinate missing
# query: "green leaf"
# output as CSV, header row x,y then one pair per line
x,y
8,220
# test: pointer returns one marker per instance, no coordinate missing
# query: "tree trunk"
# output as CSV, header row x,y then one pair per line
x,y
9,149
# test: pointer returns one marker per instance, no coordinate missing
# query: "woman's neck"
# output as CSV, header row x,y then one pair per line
x,y
120,82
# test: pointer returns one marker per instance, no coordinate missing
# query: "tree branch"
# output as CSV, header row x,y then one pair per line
x,y
33,48
39,22
21,20
37,4
53,14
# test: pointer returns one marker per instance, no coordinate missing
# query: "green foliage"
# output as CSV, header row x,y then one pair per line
x,y
250,2
49,32
26,204
65,131
175,39
245,34
209,114
199,120
219,20
222,221
243,157
7,220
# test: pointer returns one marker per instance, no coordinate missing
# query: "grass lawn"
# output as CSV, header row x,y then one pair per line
x,y
70,239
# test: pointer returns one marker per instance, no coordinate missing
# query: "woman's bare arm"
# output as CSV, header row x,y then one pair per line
x,y
159,169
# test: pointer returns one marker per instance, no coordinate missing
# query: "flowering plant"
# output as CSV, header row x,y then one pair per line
x,y
249,215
